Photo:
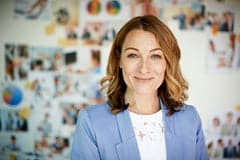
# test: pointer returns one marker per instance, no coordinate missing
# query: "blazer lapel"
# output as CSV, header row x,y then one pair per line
x,y
173,143
127,148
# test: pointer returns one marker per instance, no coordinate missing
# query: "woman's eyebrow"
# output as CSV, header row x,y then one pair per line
x,y
155,49
130,48
152,50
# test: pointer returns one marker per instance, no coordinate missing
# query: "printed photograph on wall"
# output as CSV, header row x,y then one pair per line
x,y
45,126
70,38
110,30
92,33
15,120
32,9
63,85
199,15
65,13
12,95
222,53
11,146
104,10
39,89
93,7
17,62
220,16
72,33
189,15
21,59
97,33
83,60
143,7
237,53
56,147
222,135
220,22
113,7
69,117
45,58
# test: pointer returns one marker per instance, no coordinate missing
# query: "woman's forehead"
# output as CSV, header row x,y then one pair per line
x,y
140,37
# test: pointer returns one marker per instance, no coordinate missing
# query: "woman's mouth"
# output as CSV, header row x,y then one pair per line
x,y
143,78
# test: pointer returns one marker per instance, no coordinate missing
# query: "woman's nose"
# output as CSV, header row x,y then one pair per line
x,y
144,66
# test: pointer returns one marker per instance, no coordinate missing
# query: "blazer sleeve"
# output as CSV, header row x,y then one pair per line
x,y
201,149
84,146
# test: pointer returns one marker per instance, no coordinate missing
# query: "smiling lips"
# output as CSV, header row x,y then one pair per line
x,y
143,78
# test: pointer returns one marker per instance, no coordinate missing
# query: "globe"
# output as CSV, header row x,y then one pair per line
x,y
12,95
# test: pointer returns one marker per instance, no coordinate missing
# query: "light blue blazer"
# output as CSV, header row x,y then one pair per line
x,y
100,135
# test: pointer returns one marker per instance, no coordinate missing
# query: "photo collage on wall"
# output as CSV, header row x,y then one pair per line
x,y
48,85
215,18
223,52
44,87
43,90
223,134
223,46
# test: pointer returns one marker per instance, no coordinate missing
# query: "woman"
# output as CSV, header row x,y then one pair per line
x,y
145,116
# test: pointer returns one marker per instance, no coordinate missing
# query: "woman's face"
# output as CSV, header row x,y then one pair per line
x,y
143,63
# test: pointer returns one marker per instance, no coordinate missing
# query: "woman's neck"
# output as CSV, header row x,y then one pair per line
x,y
142,103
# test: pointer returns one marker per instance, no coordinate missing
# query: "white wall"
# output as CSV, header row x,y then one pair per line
x,y
209,92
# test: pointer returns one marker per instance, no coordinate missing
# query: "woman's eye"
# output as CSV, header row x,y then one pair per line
x,y
156,56
132,55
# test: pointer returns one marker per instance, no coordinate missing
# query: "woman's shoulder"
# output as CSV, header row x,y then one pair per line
x,y
187,118
189,112
97,116
96,110
189,108
102,107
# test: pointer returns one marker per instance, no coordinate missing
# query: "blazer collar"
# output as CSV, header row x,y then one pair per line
x,y
127,148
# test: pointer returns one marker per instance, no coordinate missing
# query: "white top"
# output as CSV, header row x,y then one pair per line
x,y
149,135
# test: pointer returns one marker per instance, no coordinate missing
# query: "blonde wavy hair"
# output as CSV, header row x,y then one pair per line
x,y
172,92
